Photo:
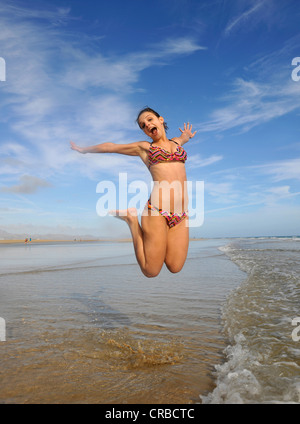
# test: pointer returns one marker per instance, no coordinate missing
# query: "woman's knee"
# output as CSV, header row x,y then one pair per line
x,y
174,267
150,274
151,271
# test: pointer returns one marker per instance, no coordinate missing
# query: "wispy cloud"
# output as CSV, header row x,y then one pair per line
x,y
270,65
65,82
27,185
253,103
222,193
197,161
119,73
270,173
253,186
56,15
57,89
266,92
281,170
244,18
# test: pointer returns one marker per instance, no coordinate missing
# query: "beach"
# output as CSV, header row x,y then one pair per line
x,y
67,240
83,325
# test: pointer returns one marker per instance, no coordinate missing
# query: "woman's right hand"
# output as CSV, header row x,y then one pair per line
x,y
76,148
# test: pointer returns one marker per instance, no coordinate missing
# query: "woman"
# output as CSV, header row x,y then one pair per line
x,y
163,236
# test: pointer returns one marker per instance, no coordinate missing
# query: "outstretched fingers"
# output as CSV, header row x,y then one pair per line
x,y
187,129
76,148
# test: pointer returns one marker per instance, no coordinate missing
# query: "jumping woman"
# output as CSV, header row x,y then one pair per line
x,y
163,236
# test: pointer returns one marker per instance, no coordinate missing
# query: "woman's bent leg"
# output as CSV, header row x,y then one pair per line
x,y
149,240
177,246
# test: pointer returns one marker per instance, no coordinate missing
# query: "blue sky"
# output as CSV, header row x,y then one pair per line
x,y
81,70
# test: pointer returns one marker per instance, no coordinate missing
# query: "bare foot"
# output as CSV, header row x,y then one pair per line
x,y
127,215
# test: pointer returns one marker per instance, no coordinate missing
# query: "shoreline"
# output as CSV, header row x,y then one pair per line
x,y
74,241
165,357
49,241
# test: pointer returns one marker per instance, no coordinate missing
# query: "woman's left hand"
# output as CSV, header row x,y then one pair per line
x,y
187,131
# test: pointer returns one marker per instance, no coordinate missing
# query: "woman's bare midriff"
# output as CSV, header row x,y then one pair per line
x,y
169,190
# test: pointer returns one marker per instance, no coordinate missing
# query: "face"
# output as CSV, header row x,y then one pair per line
x,y
152,125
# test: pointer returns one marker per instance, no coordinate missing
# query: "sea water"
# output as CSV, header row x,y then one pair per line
x,y
262,359
83,325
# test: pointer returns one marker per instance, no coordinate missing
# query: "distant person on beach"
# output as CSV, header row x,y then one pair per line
x,y
163,236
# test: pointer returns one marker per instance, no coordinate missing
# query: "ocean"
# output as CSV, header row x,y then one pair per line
x,y
83,325
261,320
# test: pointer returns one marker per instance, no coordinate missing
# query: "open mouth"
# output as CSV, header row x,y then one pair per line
x,y
153,130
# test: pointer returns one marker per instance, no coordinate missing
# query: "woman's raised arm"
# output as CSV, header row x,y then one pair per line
x,y
131,149
186,134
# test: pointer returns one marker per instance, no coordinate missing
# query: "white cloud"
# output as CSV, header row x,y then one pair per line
x,y
176,46
222,193
244,18
27,185
57,90
281,170
58,16
280,191
196,161
119,73
253,186
251,103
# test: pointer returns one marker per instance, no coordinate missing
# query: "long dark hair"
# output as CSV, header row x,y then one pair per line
x,y
148,109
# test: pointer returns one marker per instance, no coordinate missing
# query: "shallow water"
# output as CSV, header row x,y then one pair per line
x,y
83,325
263,357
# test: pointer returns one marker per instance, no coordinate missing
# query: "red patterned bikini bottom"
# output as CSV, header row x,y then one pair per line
x,y
171,218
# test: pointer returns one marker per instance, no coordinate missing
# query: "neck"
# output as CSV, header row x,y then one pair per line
x,y
162,139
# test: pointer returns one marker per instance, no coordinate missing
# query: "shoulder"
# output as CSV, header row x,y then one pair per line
x,y
143,145
143,150
138,148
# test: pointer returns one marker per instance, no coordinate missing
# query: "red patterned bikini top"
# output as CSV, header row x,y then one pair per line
x,y
157,154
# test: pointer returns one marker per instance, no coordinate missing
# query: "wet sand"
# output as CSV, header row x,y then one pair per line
x,y
85,326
